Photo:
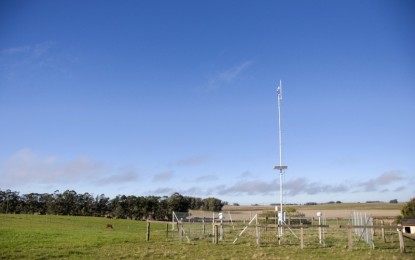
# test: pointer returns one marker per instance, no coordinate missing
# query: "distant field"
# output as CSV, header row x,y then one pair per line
x,y
351,206
340,210
67,237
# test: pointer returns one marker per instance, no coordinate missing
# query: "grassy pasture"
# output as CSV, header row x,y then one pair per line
x,y
46,237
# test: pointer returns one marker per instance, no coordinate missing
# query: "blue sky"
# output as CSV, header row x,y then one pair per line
x,y
155,97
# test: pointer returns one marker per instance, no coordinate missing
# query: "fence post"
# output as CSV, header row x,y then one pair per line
x,y
203,226
215,234
401,242
302,235
266,224
213,222
148,231
383,231
257,231
167,230
350,238
180,232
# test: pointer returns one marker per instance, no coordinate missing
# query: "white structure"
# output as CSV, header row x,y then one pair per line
x,y
408,226
280,167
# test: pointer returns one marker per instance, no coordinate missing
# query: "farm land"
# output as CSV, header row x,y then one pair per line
x,y
72,237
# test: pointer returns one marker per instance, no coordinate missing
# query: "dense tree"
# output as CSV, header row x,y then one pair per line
x,y
408,211
195,203
101,205
32,203
132,207
11,202
178,203
162,212
212,204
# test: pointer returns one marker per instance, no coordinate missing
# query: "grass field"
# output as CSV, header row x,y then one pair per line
x,y
51,237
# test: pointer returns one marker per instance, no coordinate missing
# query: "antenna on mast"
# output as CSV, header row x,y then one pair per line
x,y
280,167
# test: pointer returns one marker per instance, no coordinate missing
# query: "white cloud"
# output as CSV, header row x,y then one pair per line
x,y
250,188
161,191
123,176
16,50
246,174
27,167
301,186
225,77
30,61
165,176
192,161
232,73
382,180
206,178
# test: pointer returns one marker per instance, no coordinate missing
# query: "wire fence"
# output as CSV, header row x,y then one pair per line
x,y
364,232
357,232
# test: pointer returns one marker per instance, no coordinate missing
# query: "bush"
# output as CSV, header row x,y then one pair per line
x,y
408,211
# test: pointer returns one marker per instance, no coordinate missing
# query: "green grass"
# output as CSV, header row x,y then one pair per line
x,y
66,237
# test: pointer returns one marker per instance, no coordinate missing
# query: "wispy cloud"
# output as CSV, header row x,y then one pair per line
x,y
303,186
246,174
232,73
225,77
192,161
165,191
16,50
31,60
165,176
29,55
384,179
122,176
250,188
25,166
206,178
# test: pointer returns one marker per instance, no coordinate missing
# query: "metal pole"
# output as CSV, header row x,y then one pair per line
x,y
319,229
280,154
279,122
280,167
280,143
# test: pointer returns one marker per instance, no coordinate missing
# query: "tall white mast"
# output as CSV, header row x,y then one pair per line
x,y
280,167
279,94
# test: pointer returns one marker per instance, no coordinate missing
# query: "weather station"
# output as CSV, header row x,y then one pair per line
x,y
281,168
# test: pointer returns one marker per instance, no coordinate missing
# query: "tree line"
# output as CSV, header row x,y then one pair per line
x,y
132,207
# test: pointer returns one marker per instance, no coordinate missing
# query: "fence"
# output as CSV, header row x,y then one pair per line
x,y
364,231
263,231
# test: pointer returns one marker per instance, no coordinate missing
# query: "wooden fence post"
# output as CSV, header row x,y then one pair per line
x,y
401,242
302,235
180,232
203,226
215,234
350,238
148,231
257,232
266,224
383,231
